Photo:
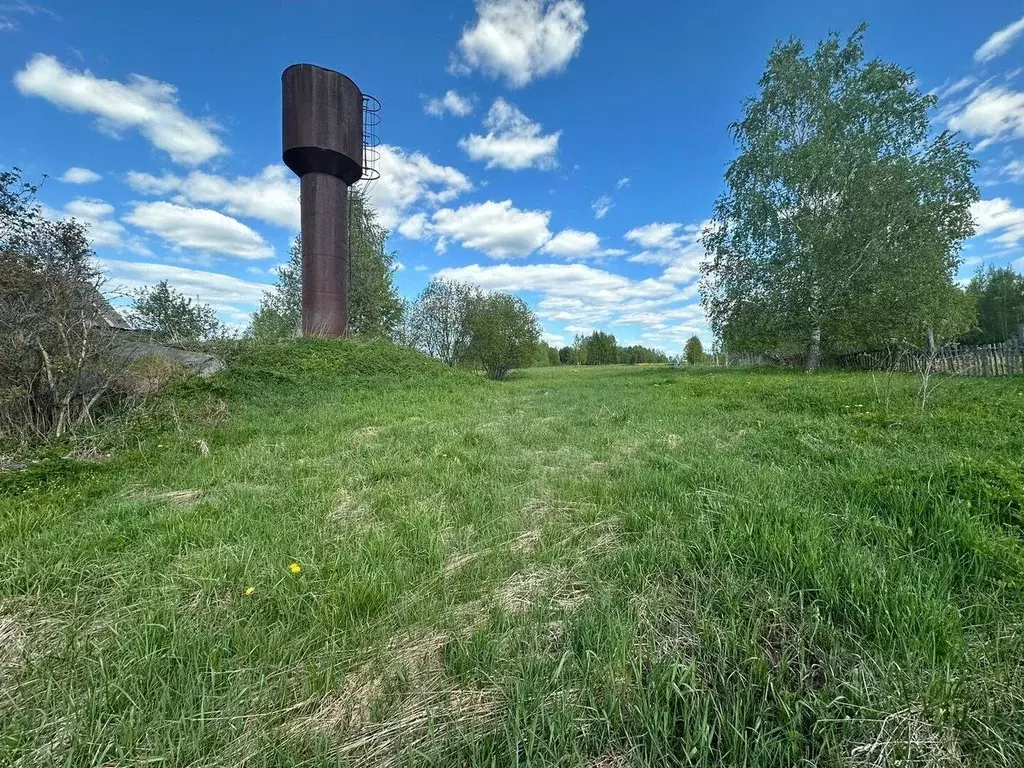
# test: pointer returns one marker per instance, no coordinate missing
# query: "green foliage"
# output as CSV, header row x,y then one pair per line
x,y
601,348
545,354
694,351
374,306
998,294
171,316
844,214
580,349
638,354
502,333
279,315
288,366
437,320
53,363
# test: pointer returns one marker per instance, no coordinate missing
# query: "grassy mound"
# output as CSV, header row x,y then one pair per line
x,y
300,365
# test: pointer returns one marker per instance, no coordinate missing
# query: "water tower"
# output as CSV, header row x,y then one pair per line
x,y
330,143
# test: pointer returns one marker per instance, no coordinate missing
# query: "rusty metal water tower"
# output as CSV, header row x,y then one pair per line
x,y
330,140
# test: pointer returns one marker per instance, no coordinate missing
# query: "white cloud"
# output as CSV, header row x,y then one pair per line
x,y
232,297
104,231
271,196
584,297
1014,169
76,175
513,140
999,42
148,184
521,39
562,281
656,235
623,182
408,179
999,216
661,318
200,229
991,113
948,89
601,206
420,268
672,245
8,11
554,339
573,244
499,230
142,103
452,102
414,227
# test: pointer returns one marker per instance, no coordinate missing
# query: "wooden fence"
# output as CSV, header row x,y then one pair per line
x,y
986,360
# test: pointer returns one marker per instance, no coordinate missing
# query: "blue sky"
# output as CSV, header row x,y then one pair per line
x,y
565,150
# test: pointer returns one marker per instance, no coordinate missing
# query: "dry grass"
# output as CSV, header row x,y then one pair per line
x,y
609,760
347,512
526,543
398,703
457,562
13,642
552,587
665,621
908,739
49,750
180,498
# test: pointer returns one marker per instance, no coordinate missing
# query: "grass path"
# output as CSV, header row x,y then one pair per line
x,y
577,567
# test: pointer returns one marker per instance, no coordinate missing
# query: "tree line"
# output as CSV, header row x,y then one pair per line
x,y
600,348
996,297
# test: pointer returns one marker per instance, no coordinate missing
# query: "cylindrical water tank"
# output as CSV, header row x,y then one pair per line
x,y
322,127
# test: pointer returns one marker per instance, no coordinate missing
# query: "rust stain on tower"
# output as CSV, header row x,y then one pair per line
x,y
322,113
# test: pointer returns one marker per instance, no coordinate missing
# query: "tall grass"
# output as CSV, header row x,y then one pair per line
x,y
579,566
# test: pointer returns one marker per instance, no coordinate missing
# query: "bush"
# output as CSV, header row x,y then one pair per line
x,y
54,348
437,320
171,316
503,333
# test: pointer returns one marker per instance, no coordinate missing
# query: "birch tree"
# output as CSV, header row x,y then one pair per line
x,y
843,214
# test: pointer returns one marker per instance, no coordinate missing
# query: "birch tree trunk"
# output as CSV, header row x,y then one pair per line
x,y
814,353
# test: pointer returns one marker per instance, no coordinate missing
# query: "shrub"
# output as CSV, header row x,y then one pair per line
x,y
503,333
54,345
437,320
171,316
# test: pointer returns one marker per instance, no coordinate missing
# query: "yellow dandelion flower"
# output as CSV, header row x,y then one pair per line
x,y
250,591
295,568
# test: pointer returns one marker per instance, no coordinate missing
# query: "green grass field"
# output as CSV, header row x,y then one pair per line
x,y
577,567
